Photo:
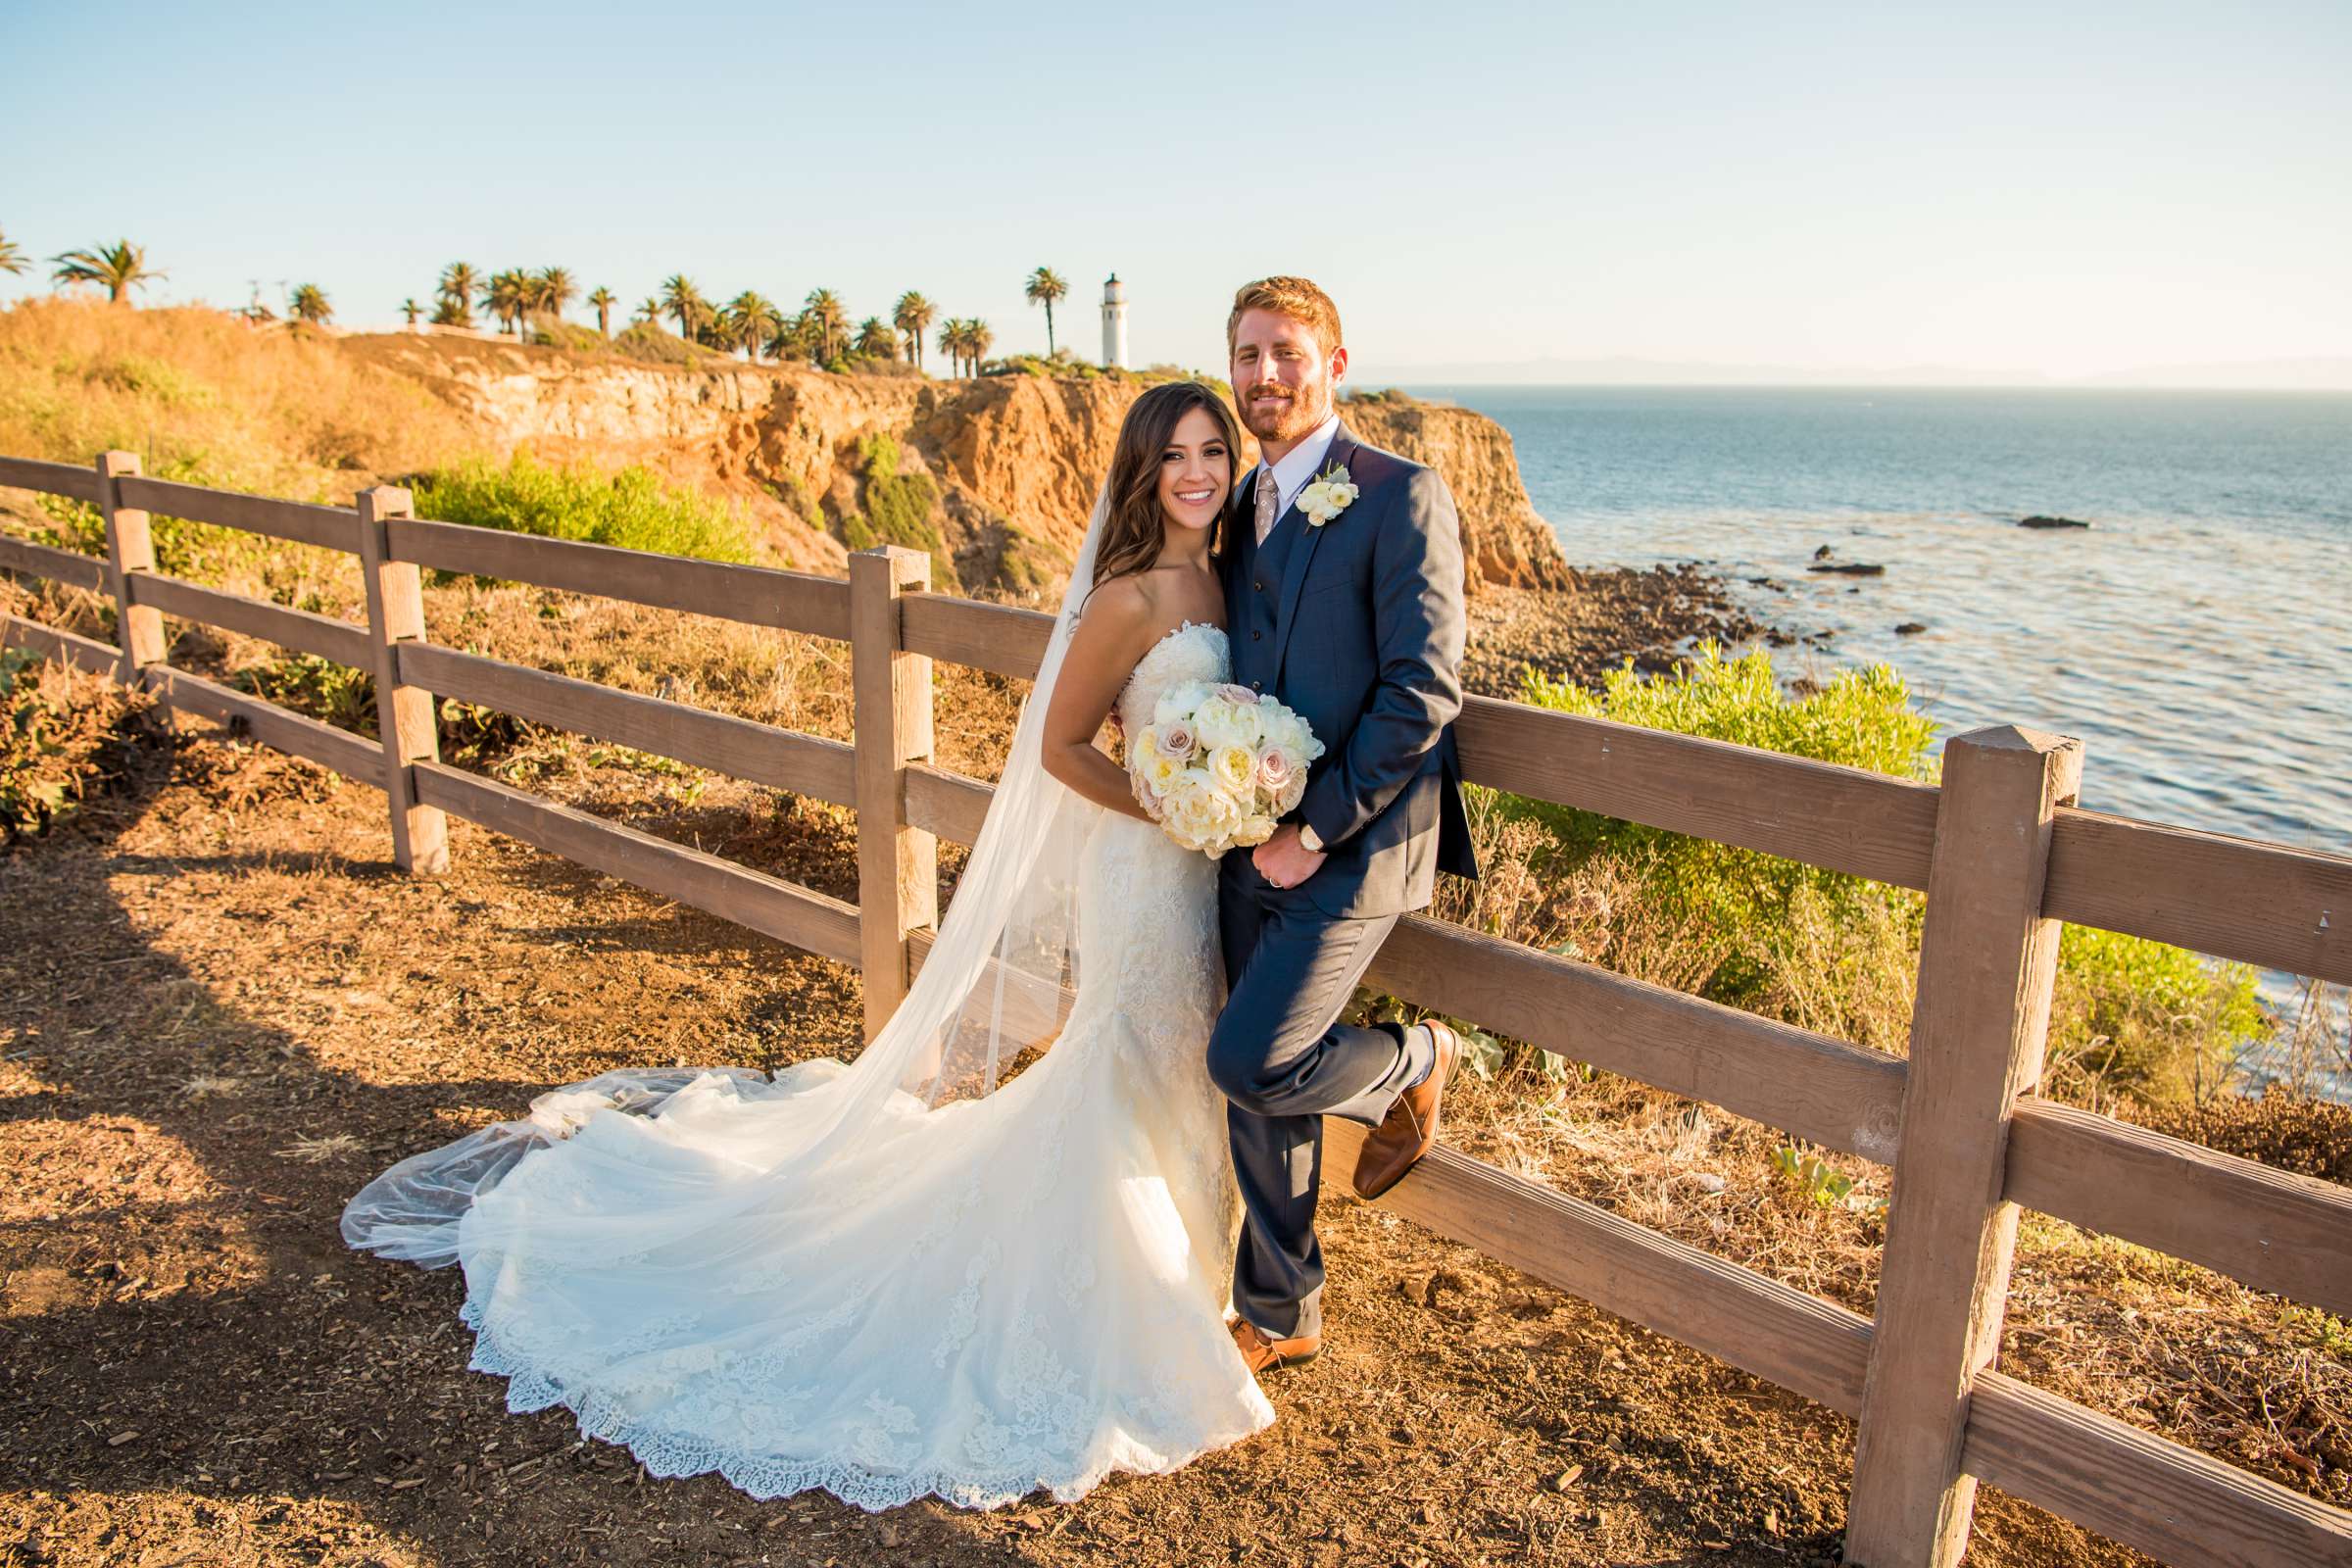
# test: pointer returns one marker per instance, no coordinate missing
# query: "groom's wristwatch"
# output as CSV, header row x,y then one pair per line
x,y
1309,840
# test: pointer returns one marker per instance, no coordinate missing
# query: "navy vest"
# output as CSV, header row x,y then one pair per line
x,y
1257,594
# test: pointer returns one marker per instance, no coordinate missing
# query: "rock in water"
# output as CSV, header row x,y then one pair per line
x,y
1850,568
2039,521
1911,629
1823,552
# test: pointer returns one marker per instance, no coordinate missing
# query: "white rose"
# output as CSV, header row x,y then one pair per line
x,y
1178,700
1291,794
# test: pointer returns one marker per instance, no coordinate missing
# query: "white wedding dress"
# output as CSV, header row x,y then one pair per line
x,y
976,1298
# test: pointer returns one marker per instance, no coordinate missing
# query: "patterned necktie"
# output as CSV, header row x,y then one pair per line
x,y
1268,493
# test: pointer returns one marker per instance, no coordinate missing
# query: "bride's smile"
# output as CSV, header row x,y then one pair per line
x,y
1195,471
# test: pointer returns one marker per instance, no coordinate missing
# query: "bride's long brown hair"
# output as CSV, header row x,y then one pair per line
x,y
1134,530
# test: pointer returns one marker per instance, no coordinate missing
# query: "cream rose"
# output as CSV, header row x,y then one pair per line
x,y
1233,767
1178,739
1291,794
1254,830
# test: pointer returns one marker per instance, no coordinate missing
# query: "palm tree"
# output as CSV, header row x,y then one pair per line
x,y
977,339
951,343
12,258
460,282
876,340
117,268
795,338
1045,287
553,290
508,296
603,301
750,316
649,309
913,315
830,320
412,309
310,305
681,299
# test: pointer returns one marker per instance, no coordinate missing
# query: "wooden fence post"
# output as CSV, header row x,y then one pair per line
x,y
404,714
1987,958
898,867
129,548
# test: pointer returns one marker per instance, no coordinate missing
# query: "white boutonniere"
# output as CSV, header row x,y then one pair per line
x,y
1332,493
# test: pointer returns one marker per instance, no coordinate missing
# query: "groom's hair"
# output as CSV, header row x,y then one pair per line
x,y
1295,297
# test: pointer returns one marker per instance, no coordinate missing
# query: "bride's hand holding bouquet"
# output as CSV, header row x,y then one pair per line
x,y
1219,764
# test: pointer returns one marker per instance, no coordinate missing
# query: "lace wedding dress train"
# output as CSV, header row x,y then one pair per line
x,y
974,1300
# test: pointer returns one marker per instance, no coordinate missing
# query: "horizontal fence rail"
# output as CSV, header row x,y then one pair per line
x,y
2260,903
59,565
303,630
781,759
2272,1229
297,521
759,596
2256,903
56,478
769,906
67,648
354,757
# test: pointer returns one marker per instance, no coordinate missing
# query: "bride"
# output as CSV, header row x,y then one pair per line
x,y
917,1275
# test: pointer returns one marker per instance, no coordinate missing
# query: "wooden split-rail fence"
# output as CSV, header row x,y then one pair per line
x,y
2003,854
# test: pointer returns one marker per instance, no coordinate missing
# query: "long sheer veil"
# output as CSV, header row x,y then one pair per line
x,y
997,982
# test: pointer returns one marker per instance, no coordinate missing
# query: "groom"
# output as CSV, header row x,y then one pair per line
x,y
1344,598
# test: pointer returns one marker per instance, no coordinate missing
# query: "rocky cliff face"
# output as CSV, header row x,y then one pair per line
x,y
1013,462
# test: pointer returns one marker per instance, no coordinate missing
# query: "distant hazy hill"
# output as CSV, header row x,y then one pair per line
x,y
2305,374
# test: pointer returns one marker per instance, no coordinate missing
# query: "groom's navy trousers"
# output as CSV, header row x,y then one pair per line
x,y
1358,625
1284,1062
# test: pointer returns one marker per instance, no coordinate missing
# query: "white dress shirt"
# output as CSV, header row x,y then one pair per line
x,y
1297,469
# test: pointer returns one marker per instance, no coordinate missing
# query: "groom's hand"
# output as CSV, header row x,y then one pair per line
x,y
1285,862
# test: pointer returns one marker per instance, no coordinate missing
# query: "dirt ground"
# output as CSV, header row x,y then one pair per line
x,y
222,1010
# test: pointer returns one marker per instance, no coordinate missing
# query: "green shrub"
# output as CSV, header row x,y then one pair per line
x,y
1820,948
1863,719
899,509
632,508
2144,1018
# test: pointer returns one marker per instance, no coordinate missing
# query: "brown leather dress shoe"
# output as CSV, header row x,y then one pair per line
x,y
1411,1128
1264,1354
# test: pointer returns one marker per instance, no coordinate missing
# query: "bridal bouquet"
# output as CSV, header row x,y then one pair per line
x,y
1218,765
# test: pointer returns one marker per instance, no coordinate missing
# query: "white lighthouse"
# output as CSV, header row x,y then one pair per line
x,y
1115,323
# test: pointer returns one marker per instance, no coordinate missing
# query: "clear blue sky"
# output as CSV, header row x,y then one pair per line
x,y
2069,188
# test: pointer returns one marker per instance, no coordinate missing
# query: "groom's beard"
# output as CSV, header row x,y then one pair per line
x,y
1285,418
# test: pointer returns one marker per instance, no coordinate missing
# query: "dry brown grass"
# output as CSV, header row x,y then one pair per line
x,y
253,407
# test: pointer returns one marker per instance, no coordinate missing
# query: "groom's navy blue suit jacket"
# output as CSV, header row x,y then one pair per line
x,y
1358,625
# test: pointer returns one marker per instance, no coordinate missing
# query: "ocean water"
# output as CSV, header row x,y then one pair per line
x,y
2197,637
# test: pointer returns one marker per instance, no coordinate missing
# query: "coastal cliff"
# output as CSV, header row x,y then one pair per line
x,y
1012,461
